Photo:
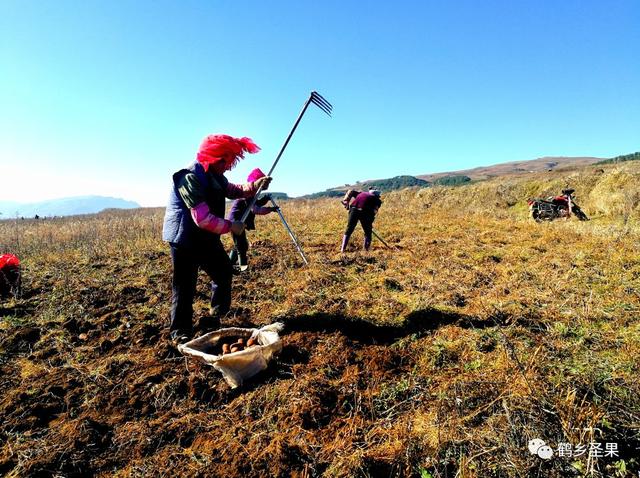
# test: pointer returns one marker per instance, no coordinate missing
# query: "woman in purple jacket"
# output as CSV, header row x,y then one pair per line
x,y
238,255
362,209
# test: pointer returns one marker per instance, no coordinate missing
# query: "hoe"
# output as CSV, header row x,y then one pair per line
x,y
380,239
321,103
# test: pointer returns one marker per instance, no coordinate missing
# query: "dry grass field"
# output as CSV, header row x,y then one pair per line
x,y
443,357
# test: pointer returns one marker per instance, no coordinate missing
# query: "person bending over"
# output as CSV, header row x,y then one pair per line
x,y
362,207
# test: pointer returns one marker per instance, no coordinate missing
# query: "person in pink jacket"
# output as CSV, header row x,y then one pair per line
x,y
238,255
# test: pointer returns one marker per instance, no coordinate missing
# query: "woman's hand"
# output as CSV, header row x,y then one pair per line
x,y
262,183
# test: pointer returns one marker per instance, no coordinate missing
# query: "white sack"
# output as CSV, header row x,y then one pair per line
x,y
237,366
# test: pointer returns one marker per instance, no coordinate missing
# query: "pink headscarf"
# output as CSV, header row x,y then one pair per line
x,y
255,175
222,147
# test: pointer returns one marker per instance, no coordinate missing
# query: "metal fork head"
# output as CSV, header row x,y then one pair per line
x,y
321,103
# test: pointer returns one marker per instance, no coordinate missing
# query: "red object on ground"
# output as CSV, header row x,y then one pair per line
x,y
9,261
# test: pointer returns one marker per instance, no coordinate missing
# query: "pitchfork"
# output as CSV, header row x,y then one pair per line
x,y
321,103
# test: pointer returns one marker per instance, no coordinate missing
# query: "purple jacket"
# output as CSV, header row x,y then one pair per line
x,y
239,206
366,202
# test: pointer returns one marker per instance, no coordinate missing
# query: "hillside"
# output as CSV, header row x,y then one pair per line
x,y
64,206
479,331
451,178
550,163
622,158
384,185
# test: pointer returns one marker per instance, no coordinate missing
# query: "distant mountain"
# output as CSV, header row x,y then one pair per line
x,y
621,159
456,178
548,163
64,206
397,182
275,195
451,180
384,185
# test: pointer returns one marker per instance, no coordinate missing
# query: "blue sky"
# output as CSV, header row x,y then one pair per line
x,y
111,97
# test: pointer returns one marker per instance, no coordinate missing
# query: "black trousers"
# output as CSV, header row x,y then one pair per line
x,y
241,246
211,258
9,281
366,220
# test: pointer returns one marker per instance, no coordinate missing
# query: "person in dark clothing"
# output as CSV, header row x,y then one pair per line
x,y
9,275
194,221
238,255
362,209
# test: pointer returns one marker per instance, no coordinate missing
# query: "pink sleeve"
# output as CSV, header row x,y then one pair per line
x,y
236,191
207,221
261,211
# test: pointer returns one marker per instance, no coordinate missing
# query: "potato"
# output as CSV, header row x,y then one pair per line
x,y
251,341
225,349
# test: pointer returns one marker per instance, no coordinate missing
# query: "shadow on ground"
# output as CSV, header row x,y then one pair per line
x,y
416,322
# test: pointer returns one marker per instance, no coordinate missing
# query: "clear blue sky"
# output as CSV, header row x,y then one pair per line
x,y
111,97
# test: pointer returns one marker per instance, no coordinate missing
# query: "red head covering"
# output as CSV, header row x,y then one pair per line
x,y
222,147
255,175
9,261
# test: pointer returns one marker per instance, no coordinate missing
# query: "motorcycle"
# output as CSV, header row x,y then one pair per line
x,y
555,207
